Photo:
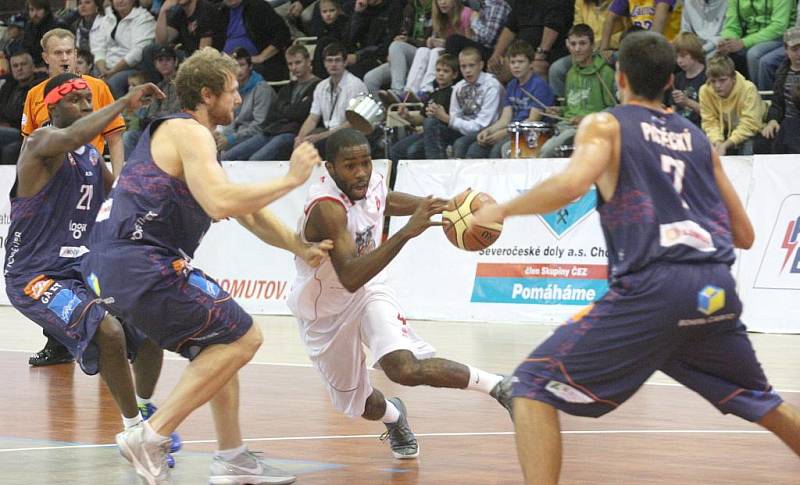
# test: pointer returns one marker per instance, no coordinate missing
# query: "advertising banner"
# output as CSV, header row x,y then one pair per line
x,y
769,276
541,269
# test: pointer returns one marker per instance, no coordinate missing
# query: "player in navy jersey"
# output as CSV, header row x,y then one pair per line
x,y
671,220
170,190
61,183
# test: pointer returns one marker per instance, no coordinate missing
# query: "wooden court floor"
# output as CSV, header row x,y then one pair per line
x,y
58,425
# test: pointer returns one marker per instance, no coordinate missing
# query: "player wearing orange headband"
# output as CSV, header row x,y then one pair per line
x,y
60,56
61,184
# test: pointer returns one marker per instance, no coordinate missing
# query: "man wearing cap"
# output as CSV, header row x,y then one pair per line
x,y
61,184
60,56
771,61
12,37
787,81
166,63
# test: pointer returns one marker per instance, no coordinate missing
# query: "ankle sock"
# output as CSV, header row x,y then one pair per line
x,y
231,453
131,422
392,414
482,381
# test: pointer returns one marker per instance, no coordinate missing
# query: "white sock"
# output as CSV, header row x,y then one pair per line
x,y
131,422
482,381
141,401
150,434
230,454
392,414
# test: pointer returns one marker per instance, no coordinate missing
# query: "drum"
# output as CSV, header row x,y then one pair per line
x,y
527,138
364,112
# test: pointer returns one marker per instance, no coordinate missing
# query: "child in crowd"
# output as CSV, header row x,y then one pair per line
x,y
330,26
412,147
527,97
84,63
731,110
449,17
473,106
692,76
783,106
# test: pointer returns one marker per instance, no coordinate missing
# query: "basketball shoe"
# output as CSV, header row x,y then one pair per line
x,y
247,468
502,392
149,458
401,439
147,410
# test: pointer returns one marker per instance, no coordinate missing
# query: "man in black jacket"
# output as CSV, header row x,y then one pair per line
x,y
543,24
12,101
254,25
286,115
373,26
40,20
782,107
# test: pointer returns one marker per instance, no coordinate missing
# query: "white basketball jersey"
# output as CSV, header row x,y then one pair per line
x,y
317,292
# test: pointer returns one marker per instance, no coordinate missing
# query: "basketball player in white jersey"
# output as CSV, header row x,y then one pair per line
x,y
344,303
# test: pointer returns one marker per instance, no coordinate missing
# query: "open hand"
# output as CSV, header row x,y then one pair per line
x,y
679,97
142,95
770,130
315,253
421,218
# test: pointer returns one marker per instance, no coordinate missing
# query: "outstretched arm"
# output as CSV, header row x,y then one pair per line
x,y
264,225
51,141
328,220
593,155
402,204
218,196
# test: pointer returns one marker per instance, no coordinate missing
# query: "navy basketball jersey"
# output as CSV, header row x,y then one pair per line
x,y
48,231
149,206
667,206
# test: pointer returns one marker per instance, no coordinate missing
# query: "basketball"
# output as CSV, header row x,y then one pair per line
x,y
461,232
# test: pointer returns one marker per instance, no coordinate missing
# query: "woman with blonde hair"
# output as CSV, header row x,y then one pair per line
x,y
449,17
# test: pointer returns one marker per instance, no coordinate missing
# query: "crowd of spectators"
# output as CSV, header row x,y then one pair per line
x,y
458,72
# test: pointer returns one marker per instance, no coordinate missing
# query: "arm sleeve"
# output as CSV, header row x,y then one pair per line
x,y
263,95
778,23
732,25
751,115
100,47
316,103
557,14
577,16
278,31
143,33
28,122
709,115
490,21
777,108
620,8
511,22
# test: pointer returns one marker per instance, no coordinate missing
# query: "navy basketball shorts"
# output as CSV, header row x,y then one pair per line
x,y
68,311
681,319
179,308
